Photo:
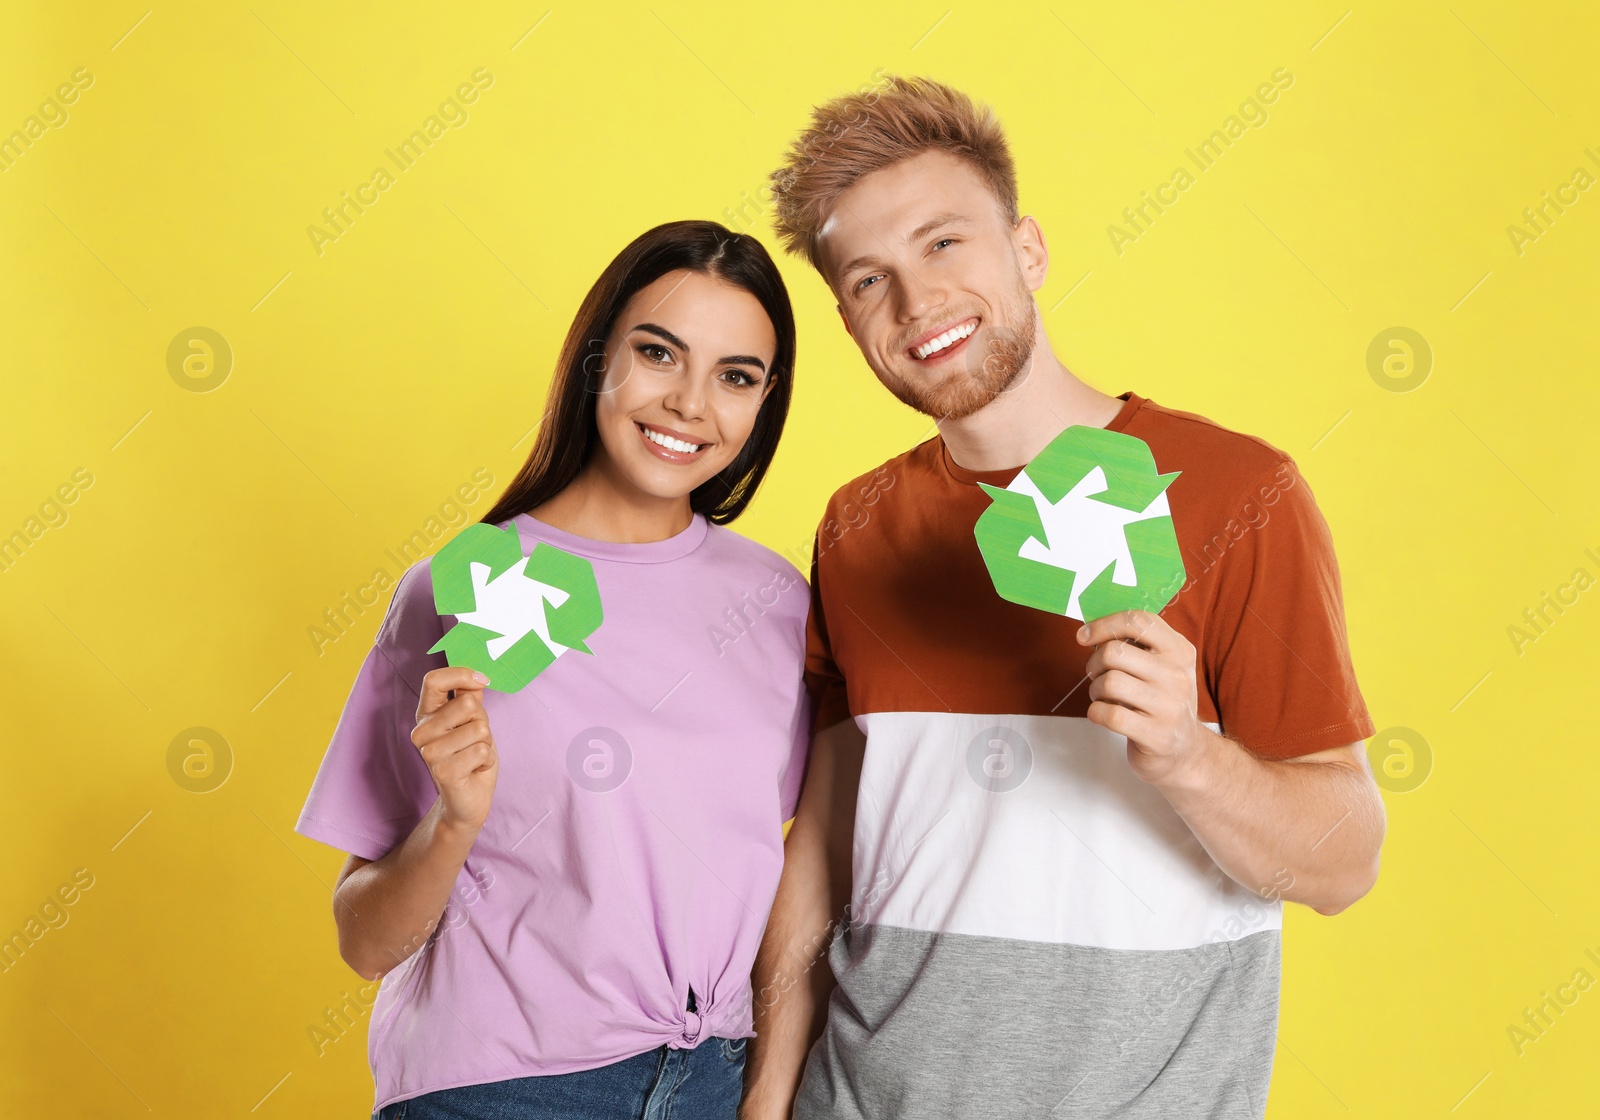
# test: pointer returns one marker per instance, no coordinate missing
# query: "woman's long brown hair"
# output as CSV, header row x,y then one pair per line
x,y
568,433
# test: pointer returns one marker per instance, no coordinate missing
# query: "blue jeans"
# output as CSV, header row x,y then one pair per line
x,y
704,1083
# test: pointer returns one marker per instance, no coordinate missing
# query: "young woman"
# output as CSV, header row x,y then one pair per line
x,y
562,887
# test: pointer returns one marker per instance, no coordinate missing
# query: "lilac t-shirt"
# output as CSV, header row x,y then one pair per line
x,y
632,849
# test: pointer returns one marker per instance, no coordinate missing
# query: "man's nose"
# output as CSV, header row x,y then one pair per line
x,y
918,297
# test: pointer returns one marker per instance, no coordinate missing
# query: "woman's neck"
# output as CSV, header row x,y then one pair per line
x,y
599,506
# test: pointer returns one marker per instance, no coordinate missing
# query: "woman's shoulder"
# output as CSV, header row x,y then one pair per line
x,y
411,622
732,546
744,557
414,586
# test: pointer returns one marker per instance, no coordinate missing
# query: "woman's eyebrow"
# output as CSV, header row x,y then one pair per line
x,y
732,360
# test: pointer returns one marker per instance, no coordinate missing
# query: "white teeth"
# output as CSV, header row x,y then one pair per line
x,y
934,345
672,444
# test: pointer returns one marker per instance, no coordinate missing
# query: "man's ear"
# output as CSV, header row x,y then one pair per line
x,y
840,309
1032,255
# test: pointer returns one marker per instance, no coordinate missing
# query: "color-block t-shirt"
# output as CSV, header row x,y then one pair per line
x,y
1034,931
634,842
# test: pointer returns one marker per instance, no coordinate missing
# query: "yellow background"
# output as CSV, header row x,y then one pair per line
x,y
372,379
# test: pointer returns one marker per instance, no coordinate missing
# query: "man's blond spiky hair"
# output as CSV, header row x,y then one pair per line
x,y
863,132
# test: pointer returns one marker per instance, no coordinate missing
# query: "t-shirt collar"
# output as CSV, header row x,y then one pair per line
x,y
647,552
1131,403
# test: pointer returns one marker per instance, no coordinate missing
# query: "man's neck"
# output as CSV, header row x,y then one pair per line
x,y
1014,427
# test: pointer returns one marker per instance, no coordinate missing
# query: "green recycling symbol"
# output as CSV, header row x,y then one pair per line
x,y
1084,530
515,614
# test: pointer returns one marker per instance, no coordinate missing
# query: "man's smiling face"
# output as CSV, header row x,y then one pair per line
x,y
927,273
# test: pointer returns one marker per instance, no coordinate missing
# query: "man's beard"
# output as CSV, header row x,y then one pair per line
x,y
961,392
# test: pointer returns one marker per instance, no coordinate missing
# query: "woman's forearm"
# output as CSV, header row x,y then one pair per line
x,y
387,908
791,980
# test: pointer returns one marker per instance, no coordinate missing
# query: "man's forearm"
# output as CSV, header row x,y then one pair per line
x,y
1307,831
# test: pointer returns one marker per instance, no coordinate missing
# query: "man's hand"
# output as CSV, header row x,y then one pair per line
x,y
1316,818
1142,685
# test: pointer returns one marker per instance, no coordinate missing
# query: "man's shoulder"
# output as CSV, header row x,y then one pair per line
x,y
1200,434
905,470
1218,459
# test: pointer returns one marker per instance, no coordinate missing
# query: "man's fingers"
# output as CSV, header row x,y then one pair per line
x,y
437,684
1118,687
1126,656
1141,627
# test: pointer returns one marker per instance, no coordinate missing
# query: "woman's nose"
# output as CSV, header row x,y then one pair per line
x,y
686,396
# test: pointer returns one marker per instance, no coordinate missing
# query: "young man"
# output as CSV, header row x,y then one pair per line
x,y
1045,861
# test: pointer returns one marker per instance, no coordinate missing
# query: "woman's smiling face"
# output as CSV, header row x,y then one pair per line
x,y
686,368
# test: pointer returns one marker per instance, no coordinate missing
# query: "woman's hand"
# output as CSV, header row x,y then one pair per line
x,y
387,908
456,743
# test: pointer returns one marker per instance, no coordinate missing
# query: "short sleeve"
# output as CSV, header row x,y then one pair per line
x,y
1282,677
373,786
825,684
794,769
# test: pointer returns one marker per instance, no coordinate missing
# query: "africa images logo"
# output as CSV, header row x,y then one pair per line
x,y
1084,529
515,614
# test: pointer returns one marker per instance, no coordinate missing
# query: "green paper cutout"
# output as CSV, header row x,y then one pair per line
x,y
514,614
1084,530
